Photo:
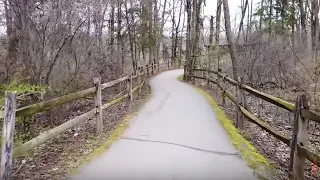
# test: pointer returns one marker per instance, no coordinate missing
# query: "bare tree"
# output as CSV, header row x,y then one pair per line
x,y
232,48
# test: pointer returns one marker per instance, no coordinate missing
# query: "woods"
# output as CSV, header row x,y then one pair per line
x,y
51,48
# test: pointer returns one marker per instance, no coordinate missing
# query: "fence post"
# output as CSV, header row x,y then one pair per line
x,y
208,83
147,67
218,77
224,86
8,135
98,104
240,102
244,98
158,66
184,72
193,74
293,142
130,87
145,77
139,80
302,140
152,67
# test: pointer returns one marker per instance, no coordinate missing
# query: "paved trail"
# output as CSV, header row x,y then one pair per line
x,y
175,136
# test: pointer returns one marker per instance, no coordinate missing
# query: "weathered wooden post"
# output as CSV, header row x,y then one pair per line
x,y
158,66
208,83
293,143
224,86
148,75
139,80
184,72
152,68
145,77
193,72
8,135
188,73
218,77
240,99
98,104
130,88
302,140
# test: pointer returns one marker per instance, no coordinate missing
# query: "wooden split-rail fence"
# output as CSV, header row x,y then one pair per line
x,y
298,142
10,113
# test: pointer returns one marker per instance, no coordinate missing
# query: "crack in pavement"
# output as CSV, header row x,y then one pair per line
x,y
185,146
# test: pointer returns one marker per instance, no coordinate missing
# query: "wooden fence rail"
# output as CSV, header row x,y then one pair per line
x,y
299,140
10,112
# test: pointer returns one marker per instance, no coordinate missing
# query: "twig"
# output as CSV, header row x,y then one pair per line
x,y
22,163
23,95
294,53
111,96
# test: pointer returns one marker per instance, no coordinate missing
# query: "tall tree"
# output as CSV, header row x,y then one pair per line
x,y
217,38
232,48
303,21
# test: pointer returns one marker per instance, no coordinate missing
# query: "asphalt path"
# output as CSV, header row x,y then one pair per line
x,y
175,136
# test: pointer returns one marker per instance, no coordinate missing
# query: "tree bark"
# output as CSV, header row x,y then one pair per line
x,y
217,38
188,43
211,32
177,31
232,48
243,14
130,32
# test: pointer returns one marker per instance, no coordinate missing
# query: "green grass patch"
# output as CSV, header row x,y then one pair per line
x,y
180,78
247,150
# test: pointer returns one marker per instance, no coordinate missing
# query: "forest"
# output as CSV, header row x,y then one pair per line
x,y
50,48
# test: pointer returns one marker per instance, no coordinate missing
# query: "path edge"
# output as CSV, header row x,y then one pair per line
x,y
116,134
262,168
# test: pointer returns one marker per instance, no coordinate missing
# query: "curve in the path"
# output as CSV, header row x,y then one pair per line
x,y
175,136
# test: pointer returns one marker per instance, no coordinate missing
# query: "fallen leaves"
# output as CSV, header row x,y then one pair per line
x,y
56,158
277,152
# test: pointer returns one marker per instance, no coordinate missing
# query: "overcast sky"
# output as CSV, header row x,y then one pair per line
x,y
234,7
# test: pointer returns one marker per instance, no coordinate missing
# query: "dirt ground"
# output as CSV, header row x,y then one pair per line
x,y
58,157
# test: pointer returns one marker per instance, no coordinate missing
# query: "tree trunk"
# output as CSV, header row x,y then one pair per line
x,y
232,48
160,33
188,43
303,22
12,39
120,44
218,17
270,17
150,31
211,33
260,16
155,32
112,37
293,23
130,32
314,26
173,23
243,14
177,31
